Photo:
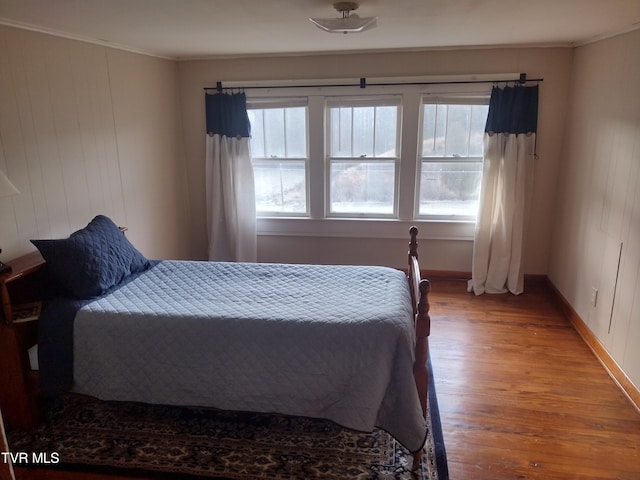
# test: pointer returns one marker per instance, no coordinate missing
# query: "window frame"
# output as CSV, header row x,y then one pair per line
x,y
317,223
263,103
380,100
448,99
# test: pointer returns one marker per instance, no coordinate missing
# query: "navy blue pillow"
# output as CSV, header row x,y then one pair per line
x,y
93,259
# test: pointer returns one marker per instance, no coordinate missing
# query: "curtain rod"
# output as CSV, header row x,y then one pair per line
x,y
363,84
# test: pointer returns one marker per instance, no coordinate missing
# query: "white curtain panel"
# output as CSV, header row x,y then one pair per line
x,y
231,210
507,181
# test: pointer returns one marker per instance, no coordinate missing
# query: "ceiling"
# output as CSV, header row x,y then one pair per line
x,y
188,29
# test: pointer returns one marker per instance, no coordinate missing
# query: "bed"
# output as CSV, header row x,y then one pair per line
x,y
344,343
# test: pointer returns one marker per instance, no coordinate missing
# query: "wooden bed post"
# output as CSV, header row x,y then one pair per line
x,y
420,299
413,243
423,327
419,295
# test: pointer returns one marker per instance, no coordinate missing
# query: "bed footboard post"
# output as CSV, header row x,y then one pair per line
x,y
419,289
420,370
413,242
423,328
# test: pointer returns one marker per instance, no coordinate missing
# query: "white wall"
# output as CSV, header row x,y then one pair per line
x,y
552,64
598,224
85,130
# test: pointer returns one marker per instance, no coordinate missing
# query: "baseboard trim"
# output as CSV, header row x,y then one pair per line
x,y
613,369
444,275
529,279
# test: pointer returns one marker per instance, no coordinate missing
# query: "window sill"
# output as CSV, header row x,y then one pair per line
x,y
365,228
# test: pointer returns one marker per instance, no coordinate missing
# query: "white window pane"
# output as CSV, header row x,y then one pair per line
x,y
363,131
296,132
274,132
386,131
478,122
450,188
257,133
434,130
279,133
453,130
362,187
363,118
429,130
457,138
440,135
280,186
341,132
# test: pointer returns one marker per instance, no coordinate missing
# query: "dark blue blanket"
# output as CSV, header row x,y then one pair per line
x,y
55,345
55,341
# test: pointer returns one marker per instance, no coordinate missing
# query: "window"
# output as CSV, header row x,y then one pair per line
x,y
279,153
362,156
451,157
386,154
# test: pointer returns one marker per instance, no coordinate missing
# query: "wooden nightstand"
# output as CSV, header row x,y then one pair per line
x,y
18,384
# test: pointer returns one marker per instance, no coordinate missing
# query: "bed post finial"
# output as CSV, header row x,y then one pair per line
x,y
413,244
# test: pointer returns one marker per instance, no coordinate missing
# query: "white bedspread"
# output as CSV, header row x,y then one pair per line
x,y
332,342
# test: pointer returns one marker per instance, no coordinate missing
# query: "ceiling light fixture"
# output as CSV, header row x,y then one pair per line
x,y
349,23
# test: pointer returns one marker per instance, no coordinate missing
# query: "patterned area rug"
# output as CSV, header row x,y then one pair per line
x,y
173,442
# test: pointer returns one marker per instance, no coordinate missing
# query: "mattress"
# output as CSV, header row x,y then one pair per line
x,y
334,342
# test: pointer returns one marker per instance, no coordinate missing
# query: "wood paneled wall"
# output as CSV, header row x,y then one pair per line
x,y
597,234
87,130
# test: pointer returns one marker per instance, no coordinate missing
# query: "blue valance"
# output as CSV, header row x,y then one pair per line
x,y
227,114
513,110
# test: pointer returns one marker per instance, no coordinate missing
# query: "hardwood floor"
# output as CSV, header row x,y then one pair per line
x,y
521,396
